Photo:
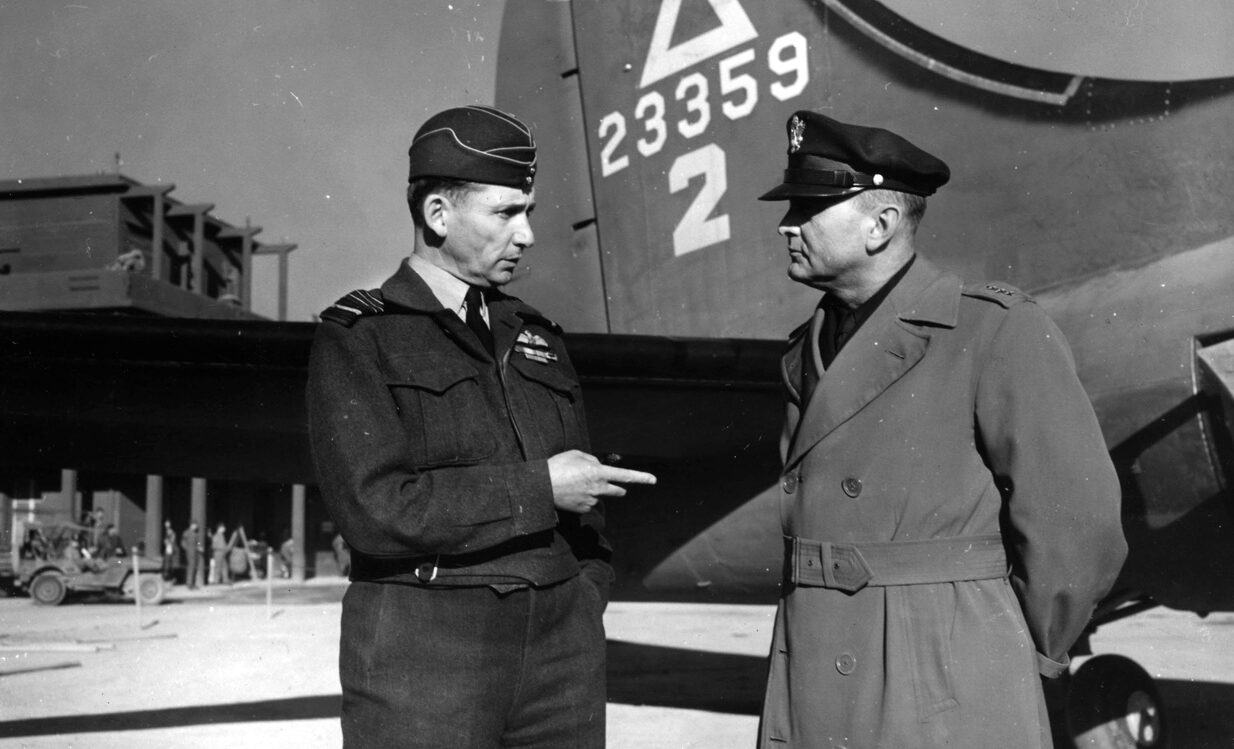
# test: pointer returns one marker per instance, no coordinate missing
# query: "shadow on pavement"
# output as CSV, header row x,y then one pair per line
x,y
1197,712
293,708
682,678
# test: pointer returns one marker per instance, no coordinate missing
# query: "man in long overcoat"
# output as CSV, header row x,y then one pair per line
x,y
950,511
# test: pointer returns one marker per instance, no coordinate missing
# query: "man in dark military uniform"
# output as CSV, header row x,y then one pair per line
x,y
448,432
950,511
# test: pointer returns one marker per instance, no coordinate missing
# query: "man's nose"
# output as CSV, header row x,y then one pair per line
x,y
788,226
524,237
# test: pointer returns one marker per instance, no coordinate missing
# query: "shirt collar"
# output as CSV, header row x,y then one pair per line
x,y
449,290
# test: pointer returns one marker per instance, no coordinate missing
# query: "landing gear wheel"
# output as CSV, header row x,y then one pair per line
x,y
48,589
1113,704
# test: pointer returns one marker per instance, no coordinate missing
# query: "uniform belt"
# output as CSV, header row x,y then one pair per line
x,y
425,568
851,567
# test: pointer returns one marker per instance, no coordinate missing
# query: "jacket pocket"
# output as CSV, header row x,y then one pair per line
x,y
925,616
444,409
553,401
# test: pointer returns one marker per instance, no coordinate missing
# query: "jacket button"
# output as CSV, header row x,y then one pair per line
x,y
846,663
851,487
789,483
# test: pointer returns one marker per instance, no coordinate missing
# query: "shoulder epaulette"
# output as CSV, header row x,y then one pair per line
x,y
355,305
533,317
992,291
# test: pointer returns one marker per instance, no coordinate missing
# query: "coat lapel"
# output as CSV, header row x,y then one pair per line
x,y
505,324
887,346
408,290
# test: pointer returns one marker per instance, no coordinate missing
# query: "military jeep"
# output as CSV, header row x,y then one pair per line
x,y
54,560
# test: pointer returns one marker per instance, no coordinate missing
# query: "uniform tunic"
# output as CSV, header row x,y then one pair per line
x,y
469,620
953,412
426,446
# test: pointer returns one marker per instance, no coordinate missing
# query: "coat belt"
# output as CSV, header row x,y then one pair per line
x,y
851,567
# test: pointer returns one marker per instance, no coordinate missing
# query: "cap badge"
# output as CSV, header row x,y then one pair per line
x,y
796,129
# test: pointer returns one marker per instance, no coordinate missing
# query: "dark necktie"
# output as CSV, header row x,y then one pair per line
x,y
838,327
475,321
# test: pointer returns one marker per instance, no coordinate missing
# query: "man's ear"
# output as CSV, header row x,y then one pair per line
x,y
437,209
886,223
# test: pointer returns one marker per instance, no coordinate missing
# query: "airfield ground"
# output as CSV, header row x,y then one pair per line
x,y
220,668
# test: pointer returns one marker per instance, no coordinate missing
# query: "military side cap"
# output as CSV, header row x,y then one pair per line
x,y
476,144
828,158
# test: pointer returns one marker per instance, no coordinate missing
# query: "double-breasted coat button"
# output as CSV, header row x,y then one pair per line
x,y
846,663
789,483
851,487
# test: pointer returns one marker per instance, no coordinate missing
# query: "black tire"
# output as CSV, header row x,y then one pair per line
x,y
150,586
1114,704
48,589
152,589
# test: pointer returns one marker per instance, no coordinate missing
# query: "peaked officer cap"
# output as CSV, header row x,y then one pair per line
x,y
476,144
828,158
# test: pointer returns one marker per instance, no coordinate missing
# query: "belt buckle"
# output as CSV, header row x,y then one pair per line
x,y
427,572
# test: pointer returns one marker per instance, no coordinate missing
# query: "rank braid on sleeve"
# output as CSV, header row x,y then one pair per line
x,y
354,305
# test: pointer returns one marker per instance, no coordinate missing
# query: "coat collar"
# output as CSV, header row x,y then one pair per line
x,y
886,347
505,313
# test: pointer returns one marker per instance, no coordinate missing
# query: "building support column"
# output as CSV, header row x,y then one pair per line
x,y
298,535
68,491
197,507
9,546
154,516
281,250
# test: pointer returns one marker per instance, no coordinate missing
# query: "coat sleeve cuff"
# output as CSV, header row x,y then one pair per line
x,y
531,498
1052,669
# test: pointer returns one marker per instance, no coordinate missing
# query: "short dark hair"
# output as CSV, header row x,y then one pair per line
x,y
911,205
421,187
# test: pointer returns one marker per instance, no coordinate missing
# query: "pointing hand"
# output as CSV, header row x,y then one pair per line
x,y
580,479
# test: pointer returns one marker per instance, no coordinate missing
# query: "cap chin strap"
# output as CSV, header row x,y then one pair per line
x,y
843,179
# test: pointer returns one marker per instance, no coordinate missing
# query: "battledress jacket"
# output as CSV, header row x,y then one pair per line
x,y
952,418
428,450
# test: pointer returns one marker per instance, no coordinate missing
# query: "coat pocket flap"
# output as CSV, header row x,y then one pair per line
x,y
436,375
545,374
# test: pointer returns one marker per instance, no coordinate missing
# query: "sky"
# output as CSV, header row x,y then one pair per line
x,y
294,114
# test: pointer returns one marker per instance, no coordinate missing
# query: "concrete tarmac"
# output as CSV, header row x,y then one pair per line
x,y
219,668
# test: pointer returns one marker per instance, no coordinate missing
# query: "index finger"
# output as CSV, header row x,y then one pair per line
x,y
627,476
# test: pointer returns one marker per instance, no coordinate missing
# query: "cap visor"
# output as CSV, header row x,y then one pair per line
x,y
789,190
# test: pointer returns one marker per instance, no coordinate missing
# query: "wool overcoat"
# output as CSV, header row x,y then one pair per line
x,y
954,412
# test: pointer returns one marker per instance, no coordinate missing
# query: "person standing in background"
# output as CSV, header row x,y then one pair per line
x,y
219,546
193,544
170,551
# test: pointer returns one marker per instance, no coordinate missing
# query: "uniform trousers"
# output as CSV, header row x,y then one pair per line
x,y
473,668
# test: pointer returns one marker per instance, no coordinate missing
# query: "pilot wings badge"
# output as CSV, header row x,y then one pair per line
x,y
534,348
796,129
